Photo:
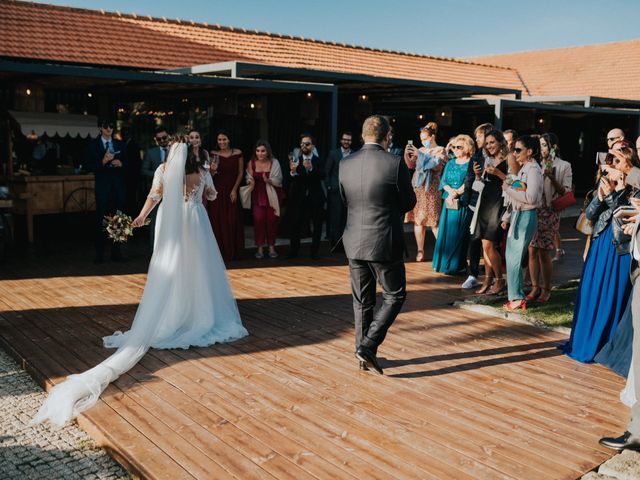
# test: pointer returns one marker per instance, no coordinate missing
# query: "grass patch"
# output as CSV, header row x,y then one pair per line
x,y
557,312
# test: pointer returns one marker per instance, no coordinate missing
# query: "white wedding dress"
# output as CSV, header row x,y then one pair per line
x,y
187,299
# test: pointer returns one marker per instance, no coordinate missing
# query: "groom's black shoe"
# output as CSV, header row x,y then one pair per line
x,y
363,366
619,443
365,355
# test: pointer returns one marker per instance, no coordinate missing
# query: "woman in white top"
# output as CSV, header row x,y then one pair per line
x,y
187,300
558,179
524,193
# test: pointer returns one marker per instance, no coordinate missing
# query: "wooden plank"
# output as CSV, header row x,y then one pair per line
x,y
464,396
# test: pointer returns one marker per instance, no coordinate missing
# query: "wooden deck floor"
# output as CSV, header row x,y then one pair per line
x,y
462,397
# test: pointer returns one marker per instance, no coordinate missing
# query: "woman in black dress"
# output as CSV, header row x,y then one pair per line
x,y
489,209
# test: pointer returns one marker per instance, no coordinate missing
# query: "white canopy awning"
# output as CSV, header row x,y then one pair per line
x,y
52,124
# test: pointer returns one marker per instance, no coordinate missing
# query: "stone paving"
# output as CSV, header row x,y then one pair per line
x,y
40,452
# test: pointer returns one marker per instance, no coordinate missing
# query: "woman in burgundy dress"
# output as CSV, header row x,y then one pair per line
x,y
227,167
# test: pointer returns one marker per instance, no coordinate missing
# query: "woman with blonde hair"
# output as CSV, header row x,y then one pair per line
x,y
427,162
450,251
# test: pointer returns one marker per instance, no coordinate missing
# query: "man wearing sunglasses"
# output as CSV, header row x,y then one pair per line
x,y
106,157
306,195
153,158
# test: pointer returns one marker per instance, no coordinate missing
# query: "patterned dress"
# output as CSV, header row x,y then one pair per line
x,y
428,204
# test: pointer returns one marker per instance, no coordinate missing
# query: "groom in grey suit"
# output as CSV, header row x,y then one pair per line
x,y
376,188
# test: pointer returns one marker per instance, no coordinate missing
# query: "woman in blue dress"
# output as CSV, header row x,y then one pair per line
x,y
604,286
450,251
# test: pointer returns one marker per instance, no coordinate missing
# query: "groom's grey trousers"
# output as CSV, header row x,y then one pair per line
x,y
372,328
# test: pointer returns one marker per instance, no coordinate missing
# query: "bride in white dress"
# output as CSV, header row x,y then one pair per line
x,y
187,299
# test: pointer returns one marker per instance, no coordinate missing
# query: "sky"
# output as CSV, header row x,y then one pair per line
x,y
450,28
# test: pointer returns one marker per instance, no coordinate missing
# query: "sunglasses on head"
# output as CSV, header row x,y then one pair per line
x,y
612,139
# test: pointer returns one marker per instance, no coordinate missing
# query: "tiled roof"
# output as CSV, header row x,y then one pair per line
x,y
602,70
64,34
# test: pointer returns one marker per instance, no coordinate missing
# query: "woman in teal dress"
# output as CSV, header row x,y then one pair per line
x,y
450,252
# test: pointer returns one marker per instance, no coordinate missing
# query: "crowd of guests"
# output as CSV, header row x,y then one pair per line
x,y
492,197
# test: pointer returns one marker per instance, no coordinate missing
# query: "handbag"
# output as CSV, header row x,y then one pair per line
x,y
452,203
583,224
564,201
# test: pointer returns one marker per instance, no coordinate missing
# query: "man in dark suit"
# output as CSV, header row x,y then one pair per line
x,y
106,157
336,212
376,187
153,158
392,147
306,195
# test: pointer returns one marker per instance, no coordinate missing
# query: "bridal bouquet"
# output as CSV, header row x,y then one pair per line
x,y
119,226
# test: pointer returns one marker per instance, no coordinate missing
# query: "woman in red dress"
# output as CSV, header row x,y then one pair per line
x,y
265,175
227,169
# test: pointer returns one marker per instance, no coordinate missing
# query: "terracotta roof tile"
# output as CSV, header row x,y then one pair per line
x,y
40,31
602,70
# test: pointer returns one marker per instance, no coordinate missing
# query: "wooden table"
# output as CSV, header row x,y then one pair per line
x,y
46,194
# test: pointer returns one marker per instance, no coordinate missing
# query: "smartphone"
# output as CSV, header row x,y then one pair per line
x,y
624,212
410,142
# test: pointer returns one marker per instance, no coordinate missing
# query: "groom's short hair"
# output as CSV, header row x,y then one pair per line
x,y
375,126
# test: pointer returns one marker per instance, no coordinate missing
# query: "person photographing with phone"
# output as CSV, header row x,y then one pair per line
x,y
106,158
427,163
604,286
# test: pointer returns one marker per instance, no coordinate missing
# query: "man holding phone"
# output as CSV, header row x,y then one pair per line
x,y
106,157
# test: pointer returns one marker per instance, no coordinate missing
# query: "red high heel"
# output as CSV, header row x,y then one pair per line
x,y
515,305
534,293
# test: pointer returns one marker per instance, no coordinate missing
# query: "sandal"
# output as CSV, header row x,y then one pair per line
x,y
486,285
259,255
534,293
559,254
420,256
515,305
499,286
544,296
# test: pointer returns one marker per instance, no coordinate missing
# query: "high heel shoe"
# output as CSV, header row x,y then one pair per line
x,y
545,295
486,285
498,286
515,305
533,294
420,256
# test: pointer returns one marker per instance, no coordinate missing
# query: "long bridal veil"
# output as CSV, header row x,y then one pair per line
x,y
168,315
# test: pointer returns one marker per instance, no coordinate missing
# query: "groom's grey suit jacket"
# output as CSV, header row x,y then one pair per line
x,y
376,188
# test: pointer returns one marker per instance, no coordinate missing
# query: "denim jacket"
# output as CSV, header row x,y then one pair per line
x,y
601,214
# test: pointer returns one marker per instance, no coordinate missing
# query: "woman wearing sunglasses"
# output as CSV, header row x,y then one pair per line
x,y
450,251
604,286
521,220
